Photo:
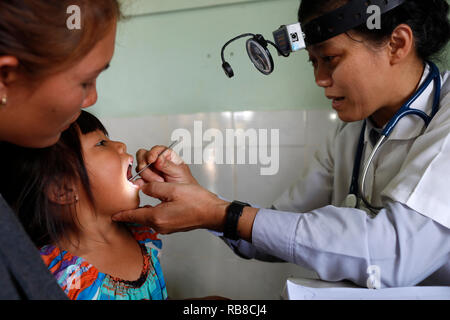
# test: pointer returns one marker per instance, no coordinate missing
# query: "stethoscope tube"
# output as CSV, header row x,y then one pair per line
x,y
406,110
365,170
402,112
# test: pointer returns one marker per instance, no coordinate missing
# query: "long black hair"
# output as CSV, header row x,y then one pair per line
x,y
428,20
27,174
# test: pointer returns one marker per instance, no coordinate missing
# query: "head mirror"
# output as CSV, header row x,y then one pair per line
x,y
260,56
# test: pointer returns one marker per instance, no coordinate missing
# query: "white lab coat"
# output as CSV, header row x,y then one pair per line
x,y
412,167
410,178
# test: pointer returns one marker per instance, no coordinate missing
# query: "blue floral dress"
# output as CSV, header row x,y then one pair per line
x,y
80,280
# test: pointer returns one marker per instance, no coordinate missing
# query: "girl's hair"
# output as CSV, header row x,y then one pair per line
x,y
428,20
29,175
36,32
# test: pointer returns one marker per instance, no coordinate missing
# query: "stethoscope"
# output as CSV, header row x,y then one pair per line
x,y
357,189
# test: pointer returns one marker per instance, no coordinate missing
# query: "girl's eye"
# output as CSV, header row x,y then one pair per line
x,y
101,143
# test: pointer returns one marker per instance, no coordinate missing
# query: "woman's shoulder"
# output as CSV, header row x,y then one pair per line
x,y
79,279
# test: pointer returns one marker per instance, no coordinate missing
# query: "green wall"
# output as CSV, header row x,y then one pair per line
x,y
169,63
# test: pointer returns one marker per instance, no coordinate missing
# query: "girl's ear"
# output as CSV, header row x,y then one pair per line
x,y
62,194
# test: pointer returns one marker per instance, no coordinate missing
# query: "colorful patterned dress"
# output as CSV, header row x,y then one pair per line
x,y
82,281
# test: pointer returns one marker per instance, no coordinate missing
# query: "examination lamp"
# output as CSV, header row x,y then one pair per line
x,y
294,37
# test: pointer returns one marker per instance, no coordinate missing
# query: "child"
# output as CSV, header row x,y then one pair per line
x,y
65,196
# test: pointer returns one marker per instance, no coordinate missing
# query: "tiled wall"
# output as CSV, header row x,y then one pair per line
x,y
196,263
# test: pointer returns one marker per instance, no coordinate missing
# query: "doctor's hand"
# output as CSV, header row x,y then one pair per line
x,y
169,167
184,207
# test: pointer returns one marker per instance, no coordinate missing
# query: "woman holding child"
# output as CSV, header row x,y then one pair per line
x,y
47,75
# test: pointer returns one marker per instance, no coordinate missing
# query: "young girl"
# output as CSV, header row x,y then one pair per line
x,y
65,196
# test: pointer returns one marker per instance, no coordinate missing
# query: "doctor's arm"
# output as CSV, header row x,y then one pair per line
x,y
342,243
338,243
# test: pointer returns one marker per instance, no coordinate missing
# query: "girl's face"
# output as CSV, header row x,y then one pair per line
x,y
355,77
37,113
109,168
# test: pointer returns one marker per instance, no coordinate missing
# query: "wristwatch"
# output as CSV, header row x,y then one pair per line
x,y
234,212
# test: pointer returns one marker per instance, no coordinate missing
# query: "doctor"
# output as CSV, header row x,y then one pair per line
x,y
348,216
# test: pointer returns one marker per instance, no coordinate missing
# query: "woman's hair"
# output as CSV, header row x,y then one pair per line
x,y
28,176
428,20
36,32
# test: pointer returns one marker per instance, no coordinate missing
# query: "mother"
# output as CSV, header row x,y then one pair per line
x,y
47,74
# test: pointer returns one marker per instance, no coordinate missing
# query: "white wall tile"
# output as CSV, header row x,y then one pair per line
x,y
291,124
217,178
136,133
218,120
263,190
319,125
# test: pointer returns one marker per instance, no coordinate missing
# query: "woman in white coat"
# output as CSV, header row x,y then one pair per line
x,y
402,229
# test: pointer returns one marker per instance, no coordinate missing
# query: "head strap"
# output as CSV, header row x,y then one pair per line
x,y
343,19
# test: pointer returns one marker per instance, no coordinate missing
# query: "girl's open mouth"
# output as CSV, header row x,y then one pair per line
x,y
130,174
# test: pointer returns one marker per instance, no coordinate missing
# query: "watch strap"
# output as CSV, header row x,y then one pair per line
x,y
233,213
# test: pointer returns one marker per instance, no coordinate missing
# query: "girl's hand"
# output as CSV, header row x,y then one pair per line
x,y
169,167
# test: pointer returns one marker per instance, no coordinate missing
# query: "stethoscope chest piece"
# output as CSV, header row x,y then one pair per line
x,y
350,201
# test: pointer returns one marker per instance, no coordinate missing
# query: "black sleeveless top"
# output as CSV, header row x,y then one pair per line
x,y
23,274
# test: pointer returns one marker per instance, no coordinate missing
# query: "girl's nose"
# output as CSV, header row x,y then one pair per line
x,y
122,147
